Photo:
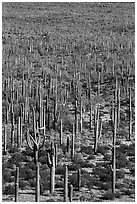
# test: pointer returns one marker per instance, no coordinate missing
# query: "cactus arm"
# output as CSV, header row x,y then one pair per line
x,y
33,141
28,141
43,142
49,163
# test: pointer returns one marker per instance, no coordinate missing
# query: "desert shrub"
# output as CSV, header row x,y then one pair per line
x,y
86,164
120,174
17,158
121,161
128,192
59,184
110,196
132,159
103,185
50,200
23,184
13,150
42,153
9,190
7,176
132,171
32,182
78,158
30,165
7,165
87,150
91,156
86,180
60,170
73,179
103,171
45,185
43,160
128,150
107,157
73,167
103,149
28,152
120,185
27,173
131,150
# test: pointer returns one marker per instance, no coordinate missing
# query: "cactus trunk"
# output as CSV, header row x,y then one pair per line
x,y
17,184
66,184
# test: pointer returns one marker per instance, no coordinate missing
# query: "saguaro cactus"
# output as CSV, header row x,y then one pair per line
x,y
60,133
66,184
76,118
79,178
68,144
114,152
51,165
5,139
96,130
17,184
12,128
35,139
37,190
73,142
130,115
70,193
90,120
81,117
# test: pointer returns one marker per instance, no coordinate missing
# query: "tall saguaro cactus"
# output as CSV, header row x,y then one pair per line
x,y
17,184
130,115
96,130
66,184
51,165
5,139
37,190
35,140
114,152
73,142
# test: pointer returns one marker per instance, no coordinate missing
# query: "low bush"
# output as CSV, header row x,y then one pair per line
x,y
17,158
91,156
102,149
132,171
129,150
85,164
128,192
86,180
103,172
132,159
23,184
121,160
103,185
88,150
120,174
43,160
7,177
32,182
120,185
9,190
107,157
60,170
30,165
45,185
59,184
110,196
14,150
27,173
73,167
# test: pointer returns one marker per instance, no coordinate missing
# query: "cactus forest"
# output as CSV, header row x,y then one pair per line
x,y
68,101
